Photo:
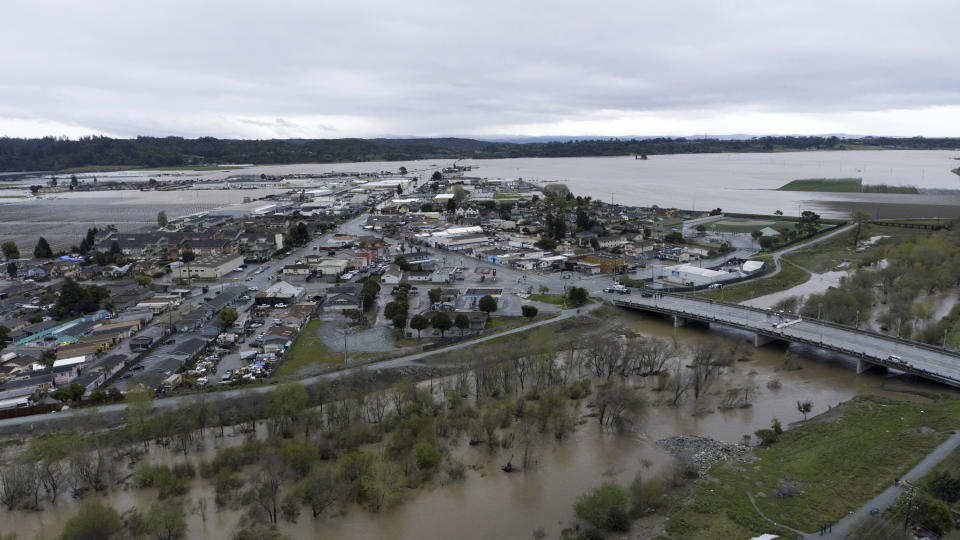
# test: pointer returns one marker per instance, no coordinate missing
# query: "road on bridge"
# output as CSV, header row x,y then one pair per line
x,y
926,361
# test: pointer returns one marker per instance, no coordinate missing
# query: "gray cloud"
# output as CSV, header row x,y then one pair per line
x,y
298,68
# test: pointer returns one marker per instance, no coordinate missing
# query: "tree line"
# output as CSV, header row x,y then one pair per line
x,y
55,154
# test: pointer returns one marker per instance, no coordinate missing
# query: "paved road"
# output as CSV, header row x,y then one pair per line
x,y
803,245
402,361
929,362
890,495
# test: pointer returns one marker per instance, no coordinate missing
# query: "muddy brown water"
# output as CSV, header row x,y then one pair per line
x,y
492,504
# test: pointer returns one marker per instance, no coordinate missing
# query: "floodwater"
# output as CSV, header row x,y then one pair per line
x,y
493,504
734,182
742,182
64,218
817,283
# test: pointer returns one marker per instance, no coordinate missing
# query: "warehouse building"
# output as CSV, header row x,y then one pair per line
x,y
685,274
209,268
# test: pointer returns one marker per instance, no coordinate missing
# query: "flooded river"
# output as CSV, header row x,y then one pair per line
x,y
492,504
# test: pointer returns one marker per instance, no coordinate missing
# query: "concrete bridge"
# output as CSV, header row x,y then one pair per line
x,y
869,348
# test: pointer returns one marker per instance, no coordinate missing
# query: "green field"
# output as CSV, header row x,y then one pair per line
x,y
831,185
308,349
834,464
555,299
826,256
746,225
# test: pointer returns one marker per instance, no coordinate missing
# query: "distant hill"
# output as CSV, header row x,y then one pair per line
x,y
53,154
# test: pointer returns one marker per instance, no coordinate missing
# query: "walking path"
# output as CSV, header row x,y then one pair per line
x,y
890,495
402,361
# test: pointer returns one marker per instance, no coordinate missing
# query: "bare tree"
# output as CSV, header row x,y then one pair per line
x,y
266,488
20,486
616,403
602,355
321,490
679,382
703,369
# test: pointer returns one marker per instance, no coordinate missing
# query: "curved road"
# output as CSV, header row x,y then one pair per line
x,y
403,361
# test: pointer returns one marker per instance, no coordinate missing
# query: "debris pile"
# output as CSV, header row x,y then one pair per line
x,y
700,452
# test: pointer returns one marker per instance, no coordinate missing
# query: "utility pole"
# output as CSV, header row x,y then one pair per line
x,y
913,491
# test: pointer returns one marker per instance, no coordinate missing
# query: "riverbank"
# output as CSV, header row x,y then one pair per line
x,y
818,472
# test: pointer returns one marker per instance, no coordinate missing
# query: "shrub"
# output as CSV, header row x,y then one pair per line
x,y
945,486
427,455
604,508
766,436
646,496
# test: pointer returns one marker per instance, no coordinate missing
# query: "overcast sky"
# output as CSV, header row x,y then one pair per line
x,y
331,68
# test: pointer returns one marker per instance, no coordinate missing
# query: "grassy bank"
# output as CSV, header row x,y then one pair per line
x,y
827,255
789,276
831,185
833,464
555,299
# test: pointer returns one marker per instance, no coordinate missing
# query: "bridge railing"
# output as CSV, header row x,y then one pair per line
x,y
813,320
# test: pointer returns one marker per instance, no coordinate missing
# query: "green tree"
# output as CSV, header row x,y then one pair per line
x,y
427,455
756,234
301,456
12,269
435,295
436,176
577,296
143,280
162,219
546,243
604,508
73,392
529,311
462,322
419,323
93,521
399,321
487,304
285,405
441,321
227,317
187,256
809,222
166,521
42,249
10,250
